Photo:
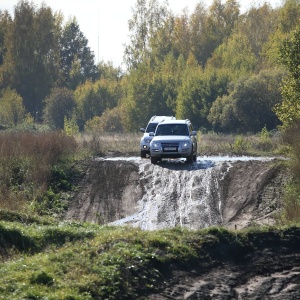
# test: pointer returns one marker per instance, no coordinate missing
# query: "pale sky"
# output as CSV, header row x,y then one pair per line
x,y
107,20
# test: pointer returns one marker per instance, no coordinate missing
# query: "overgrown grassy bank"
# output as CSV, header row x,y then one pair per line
x,y
49,260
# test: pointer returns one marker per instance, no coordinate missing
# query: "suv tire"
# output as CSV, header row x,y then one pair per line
x,y
143,154
190,158
154,160
195,157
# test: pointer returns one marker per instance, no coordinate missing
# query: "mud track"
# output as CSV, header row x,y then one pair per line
x,y
267,268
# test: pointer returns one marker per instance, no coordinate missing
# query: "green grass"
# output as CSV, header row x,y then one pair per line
x,y
49,260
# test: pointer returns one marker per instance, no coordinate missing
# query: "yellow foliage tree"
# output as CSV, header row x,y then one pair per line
x,y
12,110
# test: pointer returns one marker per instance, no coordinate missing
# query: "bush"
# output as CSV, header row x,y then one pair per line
x,y
241,145
110,121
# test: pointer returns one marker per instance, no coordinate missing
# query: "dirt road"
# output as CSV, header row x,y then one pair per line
x,y
268,269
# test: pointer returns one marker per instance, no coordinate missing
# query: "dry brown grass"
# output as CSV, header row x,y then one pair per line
x,y
26,160
208,144
229,144
104,143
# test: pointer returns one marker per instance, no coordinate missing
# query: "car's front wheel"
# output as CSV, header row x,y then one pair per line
x,y
154,160
195,157
189,159
143,154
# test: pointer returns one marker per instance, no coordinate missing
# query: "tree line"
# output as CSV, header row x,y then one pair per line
x,y
225,70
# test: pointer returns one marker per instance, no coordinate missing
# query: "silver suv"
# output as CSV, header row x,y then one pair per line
x,y
173,139
146,139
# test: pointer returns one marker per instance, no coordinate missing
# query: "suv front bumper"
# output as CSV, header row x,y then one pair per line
x,y
170,152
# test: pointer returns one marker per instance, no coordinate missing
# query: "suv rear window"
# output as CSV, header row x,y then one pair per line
x,y
151,127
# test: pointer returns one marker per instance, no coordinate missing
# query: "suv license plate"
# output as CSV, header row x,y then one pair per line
x,y
170,149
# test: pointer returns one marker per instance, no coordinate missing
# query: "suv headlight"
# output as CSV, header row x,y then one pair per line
x,y
185,144
155,144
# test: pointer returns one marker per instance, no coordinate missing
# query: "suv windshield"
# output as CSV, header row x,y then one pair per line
x,y
172,129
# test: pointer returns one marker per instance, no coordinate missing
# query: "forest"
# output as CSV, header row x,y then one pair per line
x,y
226,71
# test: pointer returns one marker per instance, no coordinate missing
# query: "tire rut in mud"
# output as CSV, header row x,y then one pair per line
x,y
267,268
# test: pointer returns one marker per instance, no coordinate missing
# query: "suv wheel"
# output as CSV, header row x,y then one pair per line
x,y
195,157
189,159
154,160
143,154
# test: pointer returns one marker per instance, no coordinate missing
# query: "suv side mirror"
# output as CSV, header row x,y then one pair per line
x,y
142,130
151,133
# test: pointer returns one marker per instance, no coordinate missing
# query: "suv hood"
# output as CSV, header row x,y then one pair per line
x,y
173,138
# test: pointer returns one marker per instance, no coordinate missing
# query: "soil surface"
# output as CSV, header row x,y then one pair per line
x,y
234,194
269,269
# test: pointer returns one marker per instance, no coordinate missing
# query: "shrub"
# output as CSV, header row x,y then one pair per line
x,y
70,126
241,144
110,121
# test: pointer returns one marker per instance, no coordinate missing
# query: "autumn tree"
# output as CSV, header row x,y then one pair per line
x,y
257,25
148,18
108,71
93,98
5,19
112,120
31,60
209,28
287,20
60,104
12,110
145,96
193,94
235,56
289,110
249,105
76,58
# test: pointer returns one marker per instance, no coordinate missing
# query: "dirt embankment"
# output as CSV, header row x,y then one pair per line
x,y
107,192
234,194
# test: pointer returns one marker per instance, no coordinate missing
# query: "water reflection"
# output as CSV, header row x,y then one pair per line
x,y
180,164
202,163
